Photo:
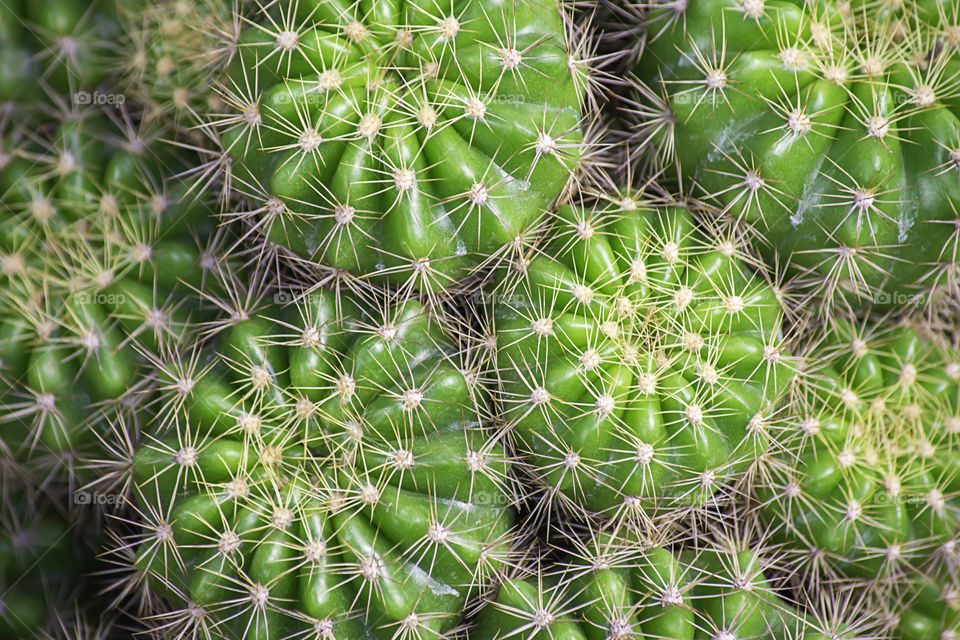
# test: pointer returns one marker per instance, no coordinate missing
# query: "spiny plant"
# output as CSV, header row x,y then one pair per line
x,y
319,471
173,55
828,128
59,46
43,561
869,494
101,249
614,586
405,142
637,360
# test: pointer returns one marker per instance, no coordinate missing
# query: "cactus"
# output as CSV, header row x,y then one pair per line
x,y
95,242
428,371
868,496
830,129
616,586
637,361
43,561
407,142
320,469
171,62
61,46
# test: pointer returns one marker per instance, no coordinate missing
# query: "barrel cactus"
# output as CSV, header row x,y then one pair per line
x,y
868,497
828,128
620,587
99,245
637,360
321,469
407,142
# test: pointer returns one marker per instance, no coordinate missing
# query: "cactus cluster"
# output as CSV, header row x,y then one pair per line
x,y
100,243
481,319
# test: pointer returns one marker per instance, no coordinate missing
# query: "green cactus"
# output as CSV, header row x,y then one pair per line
x,y
61,46
868,495
609,587
175,48
405,141
638,361
829,128
43,562
98,249
321,470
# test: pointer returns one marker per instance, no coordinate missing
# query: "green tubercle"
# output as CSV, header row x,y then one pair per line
x,y
104,256
868,495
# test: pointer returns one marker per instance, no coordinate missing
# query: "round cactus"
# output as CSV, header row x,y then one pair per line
x,y
638,361
61,46
97,250
322,470
409,141
868,495
830,128
617,587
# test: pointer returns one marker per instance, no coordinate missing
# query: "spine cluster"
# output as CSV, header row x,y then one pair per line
x,y
479,319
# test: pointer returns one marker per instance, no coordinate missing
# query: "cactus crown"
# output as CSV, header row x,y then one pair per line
x,y
829,105
321,470
868,494
638,362
100,247
176,47
407,144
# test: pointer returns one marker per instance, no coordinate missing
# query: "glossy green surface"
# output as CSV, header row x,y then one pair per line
x,y
830,128
326,473
405,140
